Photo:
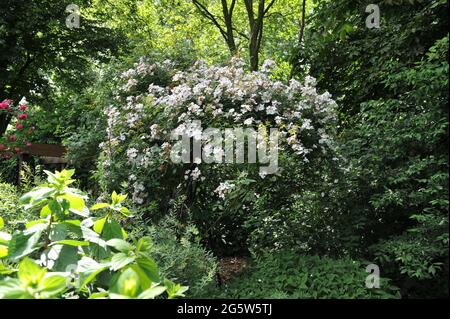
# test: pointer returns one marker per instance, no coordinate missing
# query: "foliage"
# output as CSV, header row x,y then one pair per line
x,y
289,275
155,100
418,258
393,102
38,49
362,171
58,256
12,216
340,53
180,256
17,138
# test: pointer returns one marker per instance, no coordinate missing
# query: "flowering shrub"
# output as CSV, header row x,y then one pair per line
x,y
17,136
156,100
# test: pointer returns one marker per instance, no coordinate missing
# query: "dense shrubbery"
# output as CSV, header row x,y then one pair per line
x,y
59,255
289,275
362,171
9,206
155,100
181,257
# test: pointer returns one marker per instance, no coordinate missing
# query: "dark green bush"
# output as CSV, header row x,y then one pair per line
x,y
14,217
290,275
177,250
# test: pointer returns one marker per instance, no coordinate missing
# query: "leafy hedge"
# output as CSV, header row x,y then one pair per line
x,y
289,275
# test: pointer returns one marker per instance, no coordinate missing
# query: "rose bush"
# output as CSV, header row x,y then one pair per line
x,y
18,133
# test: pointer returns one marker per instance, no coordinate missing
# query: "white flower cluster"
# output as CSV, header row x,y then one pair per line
x,y
224,188
222,96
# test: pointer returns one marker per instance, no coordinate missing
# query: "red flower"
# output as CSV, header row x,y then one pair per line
x,y
12,138
23,116
3,105
19,126
2,147
17,149
23,107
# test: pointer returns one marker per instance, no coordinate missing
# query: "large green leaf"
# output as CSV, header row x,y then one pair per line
x,y
10,288
149,267
52,285
36,196
99,206
30,274
152,292
128,283
3,251
71,242
120,260
99,224
88,269
120,245
112,229
23,244
60,257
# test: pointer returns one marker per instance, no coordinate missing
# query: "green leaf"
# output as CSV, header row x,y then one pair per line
x,y
120,260
70,242
119,244
52,285
36,195
23,244
175,290
99,295
114,198
76,201
125,211
2,223
10,288
60,257
88,269
99,224
45,211
112,229
128,283
149,267
58,210
3,251
99,206
151,293
30,274
35,222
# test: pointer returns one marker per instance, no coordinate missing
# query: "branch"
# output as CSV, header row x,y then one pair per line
x,y
249,8
204,11
269,6
302,26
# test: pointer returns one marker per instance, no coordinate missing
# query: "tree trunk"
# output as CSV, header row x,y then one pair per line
x,y
295,63
228,17
4,121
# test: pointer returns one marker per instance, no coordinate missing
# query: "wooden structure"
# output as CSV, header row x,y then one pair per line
x,y
49,154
